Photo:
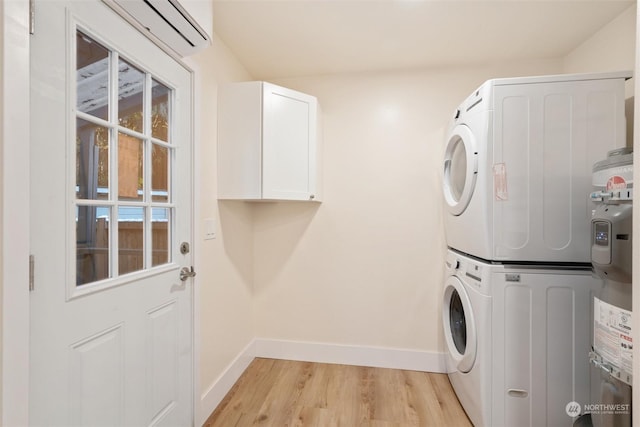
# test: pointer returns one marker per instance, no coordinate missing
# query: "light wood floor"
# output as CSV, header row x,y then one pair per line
x,y
280,393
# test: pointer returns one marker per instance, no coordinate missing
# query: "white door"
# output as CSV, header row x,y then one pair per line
x,y
460,169
111,321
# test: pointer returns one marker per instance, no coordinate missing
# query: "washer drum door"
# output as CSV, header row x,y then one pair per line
x,y
460,169
459,326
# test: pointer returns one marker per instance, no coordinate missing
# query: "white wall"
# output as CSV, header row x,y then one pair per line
x,y
225,264
365,267
613,48
610,49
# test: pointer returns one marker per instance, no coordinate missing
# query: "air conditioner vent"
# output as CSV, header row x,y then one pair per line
x,y
164,21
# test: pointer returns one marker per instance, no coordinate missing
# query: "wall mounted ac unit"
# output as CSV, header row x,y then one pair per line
x,y
166,22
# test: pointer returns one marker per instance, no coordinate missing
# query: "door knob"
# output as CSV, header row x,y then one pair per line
x,y
187,272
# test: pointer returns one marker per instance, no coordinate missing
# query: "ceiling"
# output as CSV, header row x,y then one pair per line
x,y
275,39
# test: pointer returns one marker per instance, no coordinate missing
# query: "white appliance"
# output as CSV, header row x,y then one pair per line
x,y
517,165
466,317
517,339
171,23
611,254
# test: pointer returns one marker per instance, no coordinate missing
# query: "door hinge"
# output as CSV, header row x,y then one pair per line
x,y
32,263
32,17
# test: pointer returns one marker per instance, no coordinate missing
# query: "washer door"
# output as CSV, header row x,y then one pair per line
x,y
459,325
460,169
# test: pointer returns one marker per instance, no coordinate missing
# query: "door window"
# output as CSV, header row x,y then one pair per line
x,y
124,161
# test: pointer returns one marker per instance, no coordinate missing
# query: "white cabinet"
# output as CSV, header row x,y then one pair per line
x,y
268,143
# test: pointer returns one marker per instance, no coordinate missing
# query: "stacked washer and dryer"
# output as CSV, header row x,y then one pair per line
x,y
518,277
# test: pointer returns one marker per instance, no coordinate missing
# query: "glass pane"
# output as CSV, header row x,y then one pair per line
x,y
160,111
92,74
92,161
130,167
130,239
92,244
160,233
458,169
159,173
458,323
130,96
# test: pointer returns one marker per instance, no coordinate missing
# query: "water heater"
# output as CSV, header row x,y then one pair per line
x,y
611,236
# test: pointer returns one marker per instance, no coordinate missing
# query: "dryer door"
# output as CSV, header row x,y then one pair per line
x,y
459,326
460,169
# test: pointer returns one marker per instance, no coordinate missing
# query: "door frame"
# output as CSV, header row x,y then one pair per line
x,y
14,202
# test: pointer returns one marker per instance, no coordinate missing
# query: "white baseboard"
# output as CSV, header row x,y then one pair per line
x,y
379,357
211,398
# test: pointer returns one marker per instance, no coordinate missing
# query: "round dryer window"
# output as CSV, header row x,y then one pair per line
x,y
460,169
459,326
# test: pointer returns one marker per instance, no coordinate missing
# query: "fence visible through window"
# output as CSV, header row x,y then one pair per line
x,y
123,167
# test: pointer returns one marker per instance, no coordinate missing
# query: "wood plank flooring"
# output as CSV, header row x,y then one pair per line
x,y
278,393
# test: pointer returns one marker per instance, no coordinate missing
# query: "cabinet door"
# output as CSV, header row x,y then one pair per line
x,y
289,144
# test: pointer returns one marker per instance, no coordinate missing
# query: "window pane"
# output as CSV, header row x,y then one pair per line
x,y
159,173
130,239
160,236
160,111
130,167
92,74
121,161
92,244
92,161
130,96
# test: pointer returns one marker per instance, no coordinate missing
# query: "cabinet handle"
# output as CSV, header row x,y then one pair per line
x,y
312,196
